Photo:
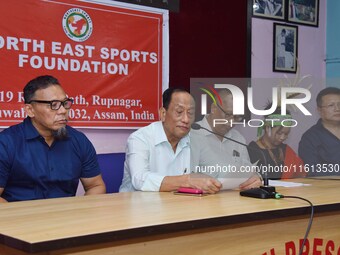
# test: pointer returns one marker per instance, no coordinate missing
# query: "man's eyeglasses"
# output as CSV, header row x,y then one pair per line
x,y
332,106
228,116
55,104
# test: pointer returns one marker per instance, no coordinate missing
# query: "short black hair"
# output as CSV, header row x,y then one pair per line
x,y
167,95
325,92
40,82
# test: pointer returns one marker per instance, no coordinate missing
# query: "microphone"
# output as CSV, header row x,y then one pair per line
x,y
265,191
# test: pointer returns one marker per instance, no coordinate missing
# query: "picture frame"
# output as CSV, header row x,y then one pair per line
x,y
285,48
269,9
303,12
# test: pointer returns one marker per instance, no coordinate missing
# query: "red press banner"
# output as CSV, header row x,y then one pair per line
x,y
107,58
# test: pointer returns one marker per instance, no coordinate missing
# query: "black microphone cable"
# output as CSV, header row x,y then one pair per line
x,y
278,195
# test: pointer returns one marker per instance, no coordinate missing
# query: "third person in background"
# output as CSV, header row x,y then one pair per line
x,y
319,146
271,153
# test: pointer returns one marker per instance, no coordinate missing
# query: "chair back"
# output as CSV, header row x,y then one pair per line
x,y
112,168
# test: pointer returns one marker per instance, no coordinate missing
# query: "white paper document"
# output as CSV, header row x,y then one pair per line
x,y
277,183
231,183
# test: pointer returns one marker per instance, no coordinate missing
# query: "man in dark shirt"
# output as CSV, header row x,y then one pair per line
x,y
319,147
42,157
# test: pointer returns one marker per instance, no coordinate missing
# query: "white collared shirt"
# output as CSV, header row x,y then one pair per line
x,y
208,150
150,157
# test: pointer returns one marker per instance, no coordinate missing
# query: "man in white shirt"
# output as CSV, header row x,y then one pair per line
x,y
158,155
281,49
223,156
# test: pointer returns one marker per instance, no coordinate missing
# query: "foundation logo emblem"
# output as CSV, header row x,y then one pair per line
x,y
213,95
77,25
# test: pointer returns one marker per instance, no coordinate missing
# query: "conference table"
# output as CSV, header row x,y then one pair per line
x,y
165,223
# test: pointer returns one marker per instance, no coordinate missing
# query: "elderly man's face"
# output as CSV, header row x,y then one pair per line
x,y
226,113
179,116
330,108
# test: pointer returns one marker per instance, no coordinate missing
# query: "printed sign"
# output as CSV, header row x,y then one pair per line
x,y
108,58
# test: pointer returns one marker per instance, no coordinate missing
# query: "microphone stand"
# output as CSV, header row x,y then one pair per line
x,y
263,192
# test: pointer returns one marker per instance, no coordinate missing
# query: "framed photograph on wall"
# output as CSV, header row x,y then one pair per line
x,y
285,48
269,9
304,12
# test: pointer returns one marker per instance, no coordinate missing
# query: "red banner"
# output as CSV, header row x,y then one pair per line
x,y
107,58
